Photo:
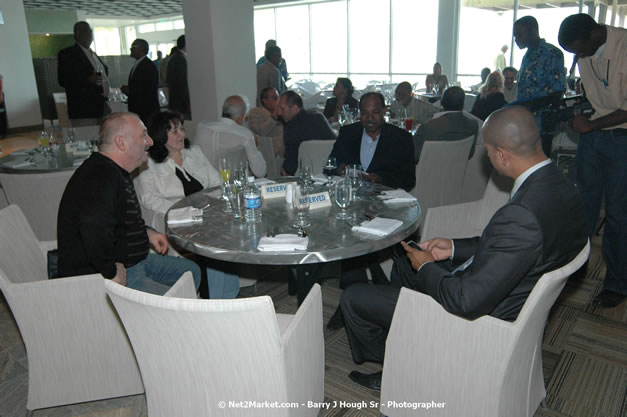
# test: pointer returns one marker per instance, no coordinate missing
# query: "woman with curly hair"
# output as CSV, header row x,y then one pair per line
x,y
491,96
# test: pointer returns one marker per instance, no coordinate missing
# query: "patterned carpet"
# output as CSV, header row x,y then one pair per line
x,y
585,357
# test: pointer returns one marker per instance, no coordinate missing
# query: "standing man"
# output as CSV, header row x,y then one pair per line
x,y
509,84
540,229
178,88
84,77
500,62
100,228
601,160
268,73
300,125
143,83
542,70
282,65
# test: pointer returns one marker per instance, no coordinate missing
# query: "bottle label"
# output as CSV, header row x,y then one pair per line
x,y
253,202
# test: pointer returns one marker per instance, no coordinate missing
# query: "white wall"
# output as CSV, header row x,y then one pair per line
x,y
221,53
16,66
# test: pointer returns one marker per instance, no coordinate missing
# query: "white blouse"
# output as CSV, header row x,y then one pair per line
x,y
160,188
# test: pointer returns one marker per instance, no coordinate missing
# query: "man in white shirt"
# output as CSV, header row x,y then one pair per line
x,y
510,89
414,108
227,134
602,151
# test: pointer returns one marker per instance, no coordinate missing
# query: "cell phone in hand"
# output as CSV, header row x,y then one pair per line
x,y
414,245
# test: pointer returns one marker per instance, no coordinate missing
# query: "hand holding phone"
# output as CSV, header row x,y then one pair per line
x,y
414,245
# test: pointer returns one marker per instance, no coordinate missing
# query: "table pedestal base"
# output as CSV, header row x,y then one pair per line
x,y
301,278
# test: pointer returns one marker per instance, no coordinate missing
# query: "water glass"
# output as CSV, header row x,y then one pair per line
x,y
353,175
329,169
306,171
300,203
234,194
343,198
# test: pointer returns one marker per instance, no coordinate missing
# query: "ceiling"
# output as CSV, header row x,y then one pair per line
x,y
122,8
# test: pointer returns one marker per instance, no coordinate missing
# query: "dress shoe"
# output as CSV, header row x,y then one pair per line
x,y
607,298
337,320
372,381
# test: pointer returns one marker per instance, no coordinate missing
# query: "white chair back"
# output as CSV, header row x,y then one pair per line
x,y
440,172
478,169
193,354
273,161
317,151
216,144
38,195
60,103
77,348
484,367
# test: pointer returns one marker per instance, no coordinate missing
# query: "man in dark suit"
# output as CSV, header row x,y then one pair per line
x,y
178,88
452,124
540,229
384,151
143,83
84,76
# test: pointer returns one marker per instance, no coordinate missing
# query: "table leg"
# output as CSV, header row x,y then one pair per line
x,y
301,279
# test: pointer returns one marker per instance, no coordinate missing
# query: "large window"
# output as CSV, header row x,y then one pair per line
x,y
366,40
107,41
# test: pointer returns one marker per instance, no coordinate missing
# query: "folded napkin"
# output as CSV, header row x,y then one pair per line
x,y
262,181
378,226
184,215
396,196
282,243
319,179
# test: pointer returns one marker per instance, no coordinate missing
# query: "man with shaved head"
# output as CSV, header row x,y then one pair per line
x,y
99,226
416,109
540,229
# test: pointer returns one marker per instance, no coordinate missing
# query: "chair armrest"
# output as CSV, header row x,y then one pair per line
x,y
302,346
47,245
183,288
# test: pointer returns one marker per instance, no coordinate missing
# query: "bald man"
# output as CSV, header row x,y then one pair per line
x,y
100,228
540,229
416,109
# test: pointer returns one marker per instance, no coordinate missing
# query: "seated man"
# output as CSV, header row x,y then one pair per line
x,y
540,229
300,125
416,109
384,151
510,89
451,124
100,228
228,133
263,120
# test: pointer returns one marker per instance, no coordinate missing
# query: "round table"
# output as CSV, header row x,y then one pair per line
x,y
221,237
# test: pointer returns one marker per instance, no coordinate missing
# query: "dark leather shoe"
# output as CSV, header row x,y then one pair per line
x,y
372,381
607,298
337,320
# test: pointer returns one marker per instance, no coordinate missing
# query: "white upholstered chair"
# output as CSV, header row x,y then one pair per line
x,y
76,346
484,367
273,161
317,151
440,172
478,169
38,195
216,144
60,103
195,353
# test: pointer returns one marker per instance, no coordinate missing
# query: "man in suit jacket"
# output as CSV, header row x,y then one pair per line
x,y
384,151
451,124
178,88
540,229
143,83
84,76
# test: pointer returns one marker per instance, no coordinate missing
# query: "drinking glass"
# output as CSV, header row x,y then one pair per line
x,y
300,203
306,172
225,175
234,193
402,116
341,118
343,198
353,175
329,169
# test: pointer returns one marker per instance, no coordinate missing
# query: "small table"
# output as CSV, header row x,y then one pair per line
x,y
34,161
221,237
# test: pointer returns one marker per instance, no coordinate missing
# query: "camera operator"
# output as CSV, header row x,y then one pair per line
x,y
602,153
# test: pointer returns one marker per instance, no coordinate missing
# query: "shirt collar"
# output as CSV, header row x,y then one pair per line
x,y
366,136
599,52
523,177
227,121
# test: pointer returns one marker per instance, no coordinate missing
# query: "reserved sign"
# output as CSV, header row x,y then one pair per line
x,y
274,190
319,200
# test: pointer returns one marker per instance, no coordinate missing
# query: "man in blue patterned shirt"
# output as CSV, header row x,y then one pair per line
x,y
542,70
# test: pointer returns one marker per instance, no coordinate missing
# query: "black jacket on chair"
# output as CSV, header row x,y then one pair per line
x,y
84,99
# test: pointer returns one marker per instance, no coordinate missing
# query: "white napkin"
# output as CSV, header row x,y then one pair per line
x,y
397,196
184,215
378,226
262,181
282,243
319,179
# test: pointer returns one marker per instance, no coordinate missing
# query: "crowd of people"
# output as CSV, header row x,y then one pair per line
x,y
543,226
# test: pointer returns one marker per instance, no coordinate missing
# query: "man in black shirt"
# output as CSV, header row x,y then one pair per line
x,y
100,228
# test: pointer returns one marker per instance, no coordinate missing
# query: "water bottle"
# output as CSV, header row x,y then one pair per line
x,y
252,203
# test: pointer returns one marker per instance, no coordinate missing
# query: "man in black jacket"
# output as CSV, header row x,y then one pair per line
x,y
143,83
84,76
540,229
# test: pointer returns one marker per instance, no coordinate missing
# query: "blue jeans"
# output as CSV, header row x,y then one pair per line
x,y
601,165
157,273
222,284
